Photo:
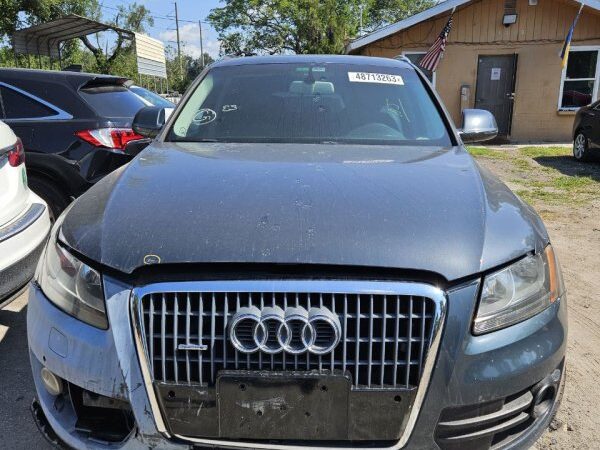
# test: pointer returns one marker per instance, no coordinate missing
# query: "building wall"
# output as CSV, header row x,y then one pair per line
x,y
536,38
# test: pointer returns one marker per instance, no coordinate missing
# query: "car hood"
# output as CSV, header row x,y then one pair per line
x,y
419,208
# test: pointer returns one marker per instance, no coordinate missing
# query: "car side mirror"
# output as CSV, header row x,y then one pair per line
x,y
149,121
478,125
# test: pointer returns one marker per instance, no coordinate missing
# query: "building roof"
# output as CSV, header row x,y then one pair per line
x,y
440,8
43,39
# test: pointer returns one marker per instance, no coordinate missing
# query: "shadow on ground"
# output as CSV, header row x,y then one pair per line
x,y
17,429
567,165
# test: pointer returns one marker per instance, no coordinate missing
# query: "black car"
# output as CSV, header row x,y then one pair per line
x,y
586,132
76,128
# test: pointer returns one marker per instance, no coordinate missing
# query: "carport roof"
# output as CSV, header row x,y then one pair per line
x,y
440,8
43,39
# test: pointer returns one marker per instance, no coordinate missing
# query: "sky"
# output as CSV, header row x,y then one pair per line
x,y
190,11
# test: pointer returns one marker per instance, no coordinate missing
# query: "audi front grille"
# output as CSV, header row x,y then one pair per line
x,y
384,337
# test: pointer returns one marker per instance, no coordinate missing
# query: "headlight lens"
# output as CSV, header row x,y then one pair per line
x,y
71,285
519,291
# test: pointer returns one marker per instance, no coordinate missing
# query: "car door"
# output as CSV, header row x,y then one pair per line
x,y
593,119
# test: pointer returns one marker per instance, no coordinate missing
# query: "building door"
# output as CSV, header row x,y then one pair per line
x,y
495,89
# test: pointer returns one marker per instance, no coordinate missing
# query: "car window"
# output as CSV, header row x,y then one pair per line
x,y
311,103
15,105
151,97
112,101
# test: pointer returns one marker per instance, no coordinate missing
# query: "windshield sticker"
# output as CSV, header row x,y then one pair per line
x,y
228,108
370,77
205,116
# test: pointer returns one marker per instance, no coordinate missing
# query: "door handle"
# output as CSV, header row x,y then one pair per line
x,y
511,96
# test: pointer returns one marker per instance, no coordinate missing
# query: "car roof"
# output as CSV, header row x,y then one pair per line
x,y
53,75
316,59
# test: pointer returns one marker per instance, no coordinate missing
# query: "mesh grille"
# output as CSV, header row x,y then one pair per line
x,y
384,341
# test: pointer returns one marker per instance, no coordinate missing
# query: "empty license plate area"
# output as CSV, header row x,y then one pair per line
x,y
303,406
285,406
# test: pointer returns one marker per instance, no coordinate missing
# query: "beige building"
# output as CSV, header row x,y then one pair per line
x,y
503,55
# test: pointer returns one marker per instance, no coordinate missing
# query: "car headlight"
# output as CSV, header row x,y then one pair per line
x,y
72,285
519,291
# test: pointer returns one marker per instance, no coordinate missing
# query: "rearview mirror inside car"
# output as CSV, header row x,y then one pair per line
x,y
478,125
149,121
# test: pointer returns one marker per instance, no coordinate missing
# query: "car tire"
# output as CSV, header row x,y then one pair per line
x,y
580,147
56,199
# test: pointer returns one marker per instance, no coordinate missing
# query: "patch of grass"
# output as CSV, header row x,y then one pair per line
x,y
574,183
539,194
560,189
487,153
522,164
535,152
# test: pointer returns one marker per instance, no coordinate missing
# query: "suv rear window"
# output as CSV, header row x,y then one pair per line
x,y
319,102
112,101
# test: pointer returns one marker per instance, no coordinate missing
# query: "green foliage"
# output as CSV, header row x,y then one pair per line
x,y
487,152
383,12
535,152
302,26
180,79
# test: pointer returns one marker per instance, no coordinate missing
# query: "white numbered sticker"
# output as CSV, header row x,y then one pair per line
x,y
370,77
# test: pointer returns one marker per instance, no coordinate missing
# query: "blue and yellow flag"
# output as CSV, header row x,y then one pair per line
x,y
564,54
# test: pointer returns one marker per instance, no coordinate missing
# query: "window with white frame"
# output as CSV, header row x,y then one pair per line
x,y
415,58
580,79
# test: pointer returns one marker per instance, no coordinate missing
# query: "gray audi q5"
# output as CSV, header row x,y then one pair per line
x,y
306,256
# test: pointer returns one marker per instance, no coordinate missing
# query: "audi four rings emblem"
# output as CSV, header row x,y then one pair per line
x,y
294,330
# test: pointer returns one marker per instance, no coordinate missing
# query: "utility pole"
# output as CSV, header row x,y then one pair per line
x,y
178,42
360,7
201,49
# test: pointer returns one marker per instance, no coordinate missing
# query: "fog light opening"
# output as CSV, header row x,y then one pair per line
x,y
52,383
542,402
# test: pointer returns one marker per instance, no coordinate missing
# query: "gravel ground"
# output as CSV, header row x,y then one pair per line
x,y
567,195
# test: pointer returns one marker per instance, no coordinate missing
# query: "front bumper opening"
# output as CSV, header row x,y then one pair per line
x,y
498,423
101,418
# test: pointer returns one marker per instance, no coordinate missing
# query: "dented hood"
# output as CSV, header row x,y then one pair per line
x,y
419,208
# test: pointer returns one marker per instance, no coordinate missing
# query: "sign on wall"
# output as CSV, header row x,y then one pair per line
x,y
496,72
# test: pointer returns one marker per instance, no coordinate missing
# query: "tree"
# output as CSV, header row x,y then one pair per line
x,y
135,18
302,26
191,68
383,12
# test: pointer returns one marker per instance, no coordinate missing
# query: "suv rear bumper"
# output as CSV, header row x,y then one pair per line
x,y
21,244
469,370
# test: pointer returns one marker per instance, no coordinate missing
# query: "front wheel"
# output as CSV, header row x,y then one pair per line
x,y
580,147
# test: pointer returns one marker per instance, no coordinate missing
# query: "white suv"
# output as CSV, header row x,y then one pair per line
x,y
24,221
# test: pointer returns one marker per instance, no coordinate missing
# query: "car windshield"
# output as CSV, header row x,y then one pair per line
x,y
320,102
151,97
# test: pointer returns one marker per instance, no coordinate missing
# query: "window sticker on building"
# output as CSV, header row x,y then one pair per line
x,y
496,72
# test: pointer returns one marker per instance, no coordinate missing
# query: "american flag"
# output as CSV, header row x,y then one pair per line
x,y
432,57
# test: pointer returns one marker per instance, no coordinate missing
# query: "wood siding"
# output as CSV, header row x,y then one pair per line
x,y
480,22
536,38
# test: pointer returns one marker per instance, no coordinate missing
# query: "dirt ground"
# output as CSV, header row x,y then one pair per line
x,y
567,195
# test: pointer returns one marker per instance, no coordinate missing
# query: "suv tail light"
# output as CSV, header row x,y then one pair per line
x,y
16,155
114,138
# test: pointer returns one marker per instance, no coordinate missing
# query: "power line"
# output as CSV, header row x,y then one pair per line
x,y
154,16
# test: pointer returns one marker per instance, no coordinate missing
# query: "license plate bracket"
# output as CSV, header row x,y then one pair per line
x,y
283,405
